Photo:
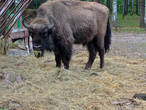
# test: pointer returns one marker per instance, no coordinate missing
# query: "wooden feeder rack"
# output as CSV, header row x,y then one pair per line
x,y
10,12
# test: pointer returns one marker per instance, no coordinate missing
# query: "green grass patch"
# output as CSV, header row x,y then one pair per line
x,y
128,24
13,45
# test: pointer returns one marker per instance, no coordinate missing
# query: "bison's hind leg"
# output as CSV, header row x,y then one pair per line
x,y
101,55
92,54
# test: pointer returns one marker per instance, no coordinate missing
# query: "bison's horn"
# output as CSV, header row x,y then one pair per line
x,y
24,23
53,21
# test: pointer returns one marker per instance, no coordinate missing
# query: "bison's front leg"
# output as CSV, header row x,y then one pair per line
x,y
66,52
57,59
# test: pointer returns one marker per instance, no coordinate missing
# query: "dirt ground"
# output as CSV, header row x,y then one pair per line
x,y
129,45
27,83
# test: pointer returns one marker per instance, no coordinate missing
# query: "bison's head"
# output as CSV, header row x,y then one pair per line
x,y
40,30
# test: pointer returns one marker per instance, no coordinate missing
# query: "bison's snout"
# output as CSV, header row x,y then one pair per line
x,y
38,54
38,51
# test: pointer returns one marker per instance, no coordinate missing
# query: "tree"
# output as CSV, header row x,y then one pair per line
x,y
115,13
125,8
145,15
109,4
142,13
132,3
137,7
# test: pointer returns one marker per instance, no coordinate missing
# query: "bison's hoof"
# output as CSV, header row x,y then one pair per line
x,y
66,67
58,66
87,68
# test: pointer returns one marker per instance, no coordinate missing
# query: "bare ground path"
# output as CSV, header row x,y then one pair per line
x,y
129,44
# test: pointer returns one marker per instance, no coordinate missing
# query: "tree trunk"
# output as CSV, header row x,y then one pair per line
x,y
109,4
131,11
125,8
142,13
145,15
137,7
115,13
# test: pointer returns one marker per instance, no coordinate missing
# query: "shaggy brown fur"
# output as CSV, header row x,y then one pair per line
x,y
74,22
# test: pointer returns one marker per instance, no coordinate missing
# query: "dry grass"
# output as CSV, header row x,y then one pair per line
x,y
49,88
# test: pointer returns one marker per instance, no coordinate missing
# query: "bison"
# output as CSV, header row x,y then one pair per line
x,y
60,24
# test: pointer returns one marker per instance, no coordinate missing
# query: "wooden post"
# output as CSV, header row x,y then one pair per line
x,y
5,46
4,42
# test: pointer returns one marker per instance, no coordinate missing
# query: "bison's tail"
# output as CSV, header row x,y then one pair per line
x,y
107,39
